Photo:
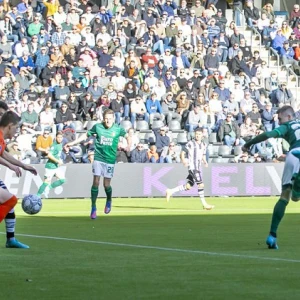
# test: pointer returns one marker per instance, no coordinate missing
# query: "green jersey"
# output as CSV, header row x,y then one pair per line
x,y
55,150
106,143
290,131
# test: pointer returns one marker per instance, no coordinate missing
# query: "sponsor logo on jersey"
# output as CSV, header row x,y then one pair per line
x,y
107,141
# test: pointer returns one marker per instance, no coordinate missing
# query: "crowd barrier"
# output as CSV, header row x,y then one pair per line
x,y
151,180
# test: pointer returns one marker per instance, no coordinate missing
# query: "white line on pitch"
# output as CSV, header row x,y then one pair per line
x,y
119,210
160,248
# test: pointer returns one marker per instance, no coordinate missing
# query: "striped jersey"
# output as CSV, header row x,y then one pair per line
x,y
195,153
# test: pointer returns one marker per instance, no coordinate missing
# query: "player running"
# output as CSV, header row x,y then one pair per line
x,y
106,144
52,167
195,151
289,130
8,126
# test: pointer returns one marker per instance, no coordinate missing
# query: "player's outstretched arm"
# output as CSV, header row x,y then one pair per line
x,y
18,163
16,169
77,141
261,137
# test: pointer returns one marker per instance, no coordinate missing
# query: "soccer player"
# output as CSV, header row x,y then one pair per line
x,y
8,126
52,167
107,137
289,130
195,151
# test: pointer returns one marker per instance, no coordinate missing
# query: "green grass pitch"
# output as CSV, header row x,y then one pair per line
x,y
150,249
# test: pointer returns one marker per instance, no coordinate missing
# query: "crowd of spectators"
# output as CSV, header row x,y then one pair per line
x,y
64,62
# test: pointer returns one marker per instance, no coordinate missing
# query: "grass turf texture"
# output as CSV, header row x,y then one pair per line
x,y
219,254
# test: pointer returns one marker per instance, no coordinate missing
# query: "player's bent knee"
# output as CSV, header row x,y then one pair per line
x,y
295,199
201,185
188,186
286,193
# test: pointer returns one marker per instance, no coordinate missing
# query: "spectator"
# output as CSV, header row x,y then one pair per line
x,y
152,155
64,118
283,96
30,119
223,93
88,156
46,118
229,132
24,141
43,144
251,13
193,120
255,116
162,140
139,154
169,109
268,117
154,109
169,155
138,111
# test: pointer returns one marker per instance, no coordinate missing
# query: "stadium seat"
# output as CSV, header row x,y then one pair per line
x,y
79,134
175,126
142,125
213,151
78,125
225,151
126,124
213,138
157,124
150,138
90,124
237,150
174,137
182,138
217,160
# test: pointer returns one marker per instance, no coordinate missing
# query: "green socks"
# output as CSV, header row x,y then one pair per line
x,y
108,192
42,189
94,195
57,183
278,213
51,186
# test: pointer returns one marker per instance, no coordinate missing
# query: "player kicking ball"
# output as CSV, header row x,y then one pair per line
x,y
52,167
289,130
195,151
107,137
8,126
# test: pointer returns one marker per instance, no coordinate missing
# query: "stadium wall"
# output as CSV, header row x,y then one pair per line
x,y
151,180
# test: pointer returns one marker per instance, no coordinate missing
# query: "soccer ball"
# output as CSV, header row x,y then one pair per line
x,y
32,204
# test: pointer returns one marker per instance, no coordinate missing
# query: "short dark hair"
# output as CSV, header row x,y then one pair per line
x,y
286,110
3,105
9,117
59,133
198,129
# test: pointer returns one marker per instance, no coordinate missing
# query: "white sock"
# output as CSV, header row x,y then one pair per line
x,y
178,188
10,222
201,195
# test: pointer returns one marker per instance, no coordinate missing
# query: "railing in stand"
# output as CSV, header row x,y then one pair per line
x,y
243,20
256,33
290,71
274,52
